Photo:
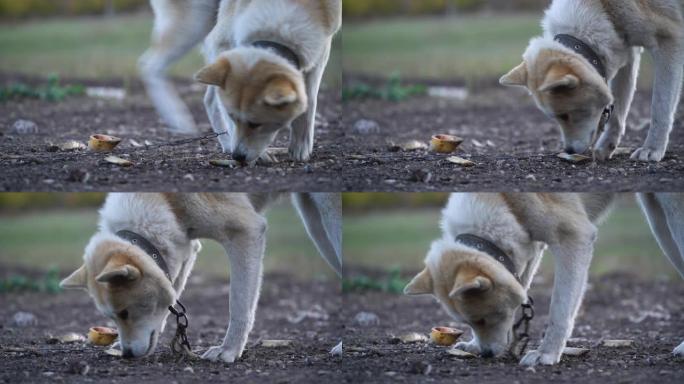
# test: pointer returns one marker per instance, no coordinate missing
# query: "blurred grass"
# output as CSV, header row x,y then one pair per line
x,y
49,239
95,47
394,238
479,46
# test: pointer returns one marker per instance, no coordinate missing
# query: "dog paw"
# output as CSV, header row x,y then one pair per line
x,y
221,354
648,154
535,357
679,351
605,149
300,152
469,346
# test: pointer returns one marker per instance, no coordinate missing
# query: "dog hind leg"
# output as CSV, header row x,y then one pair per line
x,y
321,214
178,28
245,246
624,86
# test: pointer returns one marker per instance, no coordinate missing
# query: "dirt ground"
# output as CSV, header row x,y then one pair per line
x,y
27,163
520,155
304,312
611,309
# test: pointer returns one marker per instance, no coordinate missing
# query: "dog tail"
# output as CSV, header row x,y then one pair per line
x,y
321,214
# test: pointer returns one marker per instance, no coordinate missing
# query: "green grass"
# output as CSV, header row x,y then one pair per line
x,y
400,239
56,239
93,48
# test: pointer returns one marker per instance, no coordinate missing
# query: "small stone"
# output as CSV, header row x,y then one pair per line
x,y
79,368
189,177
188,369
308,169
24,127
421,176
72,337
366,127
420,368
617,343
24,319
276,343
337,350
367,319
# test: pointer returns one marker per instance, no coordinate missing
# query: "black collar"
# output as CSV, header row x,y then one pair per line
x,y
585,50
281,50
148,247
486,246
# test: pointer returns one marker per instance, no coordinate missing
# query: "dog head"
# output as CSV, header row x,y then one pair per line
x,y
566,88
127,287
473,288
261,92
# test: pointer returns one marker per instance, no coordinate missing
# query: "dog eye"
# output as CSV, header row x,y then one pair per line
x,y
564,117
253,125
123,315
480,322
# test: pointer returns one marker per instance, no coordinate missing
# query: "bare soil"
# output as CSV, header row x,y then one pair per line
x,y
31,162
27,354
612,307
517,152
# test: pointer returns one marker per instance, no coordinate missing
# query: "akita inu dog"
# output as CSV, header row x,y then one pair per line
x,y
137,264
583,71
265,61
482,267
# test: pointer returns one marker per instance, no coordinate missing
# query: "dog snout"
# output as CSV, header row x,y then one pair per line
x,y
487,353
570,150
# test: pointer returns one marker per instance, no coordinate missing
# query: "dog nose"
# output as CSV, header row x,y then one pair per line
x,y
239,156
570,150
127,353
487,353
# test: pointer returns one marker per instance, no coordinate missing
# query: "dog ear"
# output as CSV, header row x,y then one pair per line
x,y
214,74
421,284
115,273
559,77
77,280
517,77
279,92
477,284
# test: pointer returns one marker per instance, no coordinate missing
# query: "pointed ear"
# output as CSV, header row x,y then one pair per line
x,y
77,280
214,74
559,76
477,284
517,77
118,273
280,91
420,285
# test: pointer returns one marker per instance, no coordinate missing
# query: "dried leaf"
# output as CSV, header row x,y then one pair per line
x,y
460,354
617,343
460,161
276,343
114,352
223,163
71,337
574,158
118,161
572,351
413,337
72,145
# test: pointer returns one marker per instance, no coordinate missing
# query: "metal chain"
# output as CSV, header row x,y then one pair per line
x,y
523,338
180,344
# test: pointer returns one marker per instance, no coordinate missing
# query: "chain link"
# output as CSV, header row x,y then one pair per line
x,y
179,344
522,338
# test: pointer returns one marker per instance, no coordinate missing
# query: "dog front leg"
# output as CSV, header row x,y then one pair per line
x,y
245,250
303,128
573,252
623,86
220,122
669,71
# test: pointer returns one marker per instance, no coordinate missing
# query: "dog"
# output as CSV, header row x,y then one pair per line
x,y
265,62
482,267
583,71
138,262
